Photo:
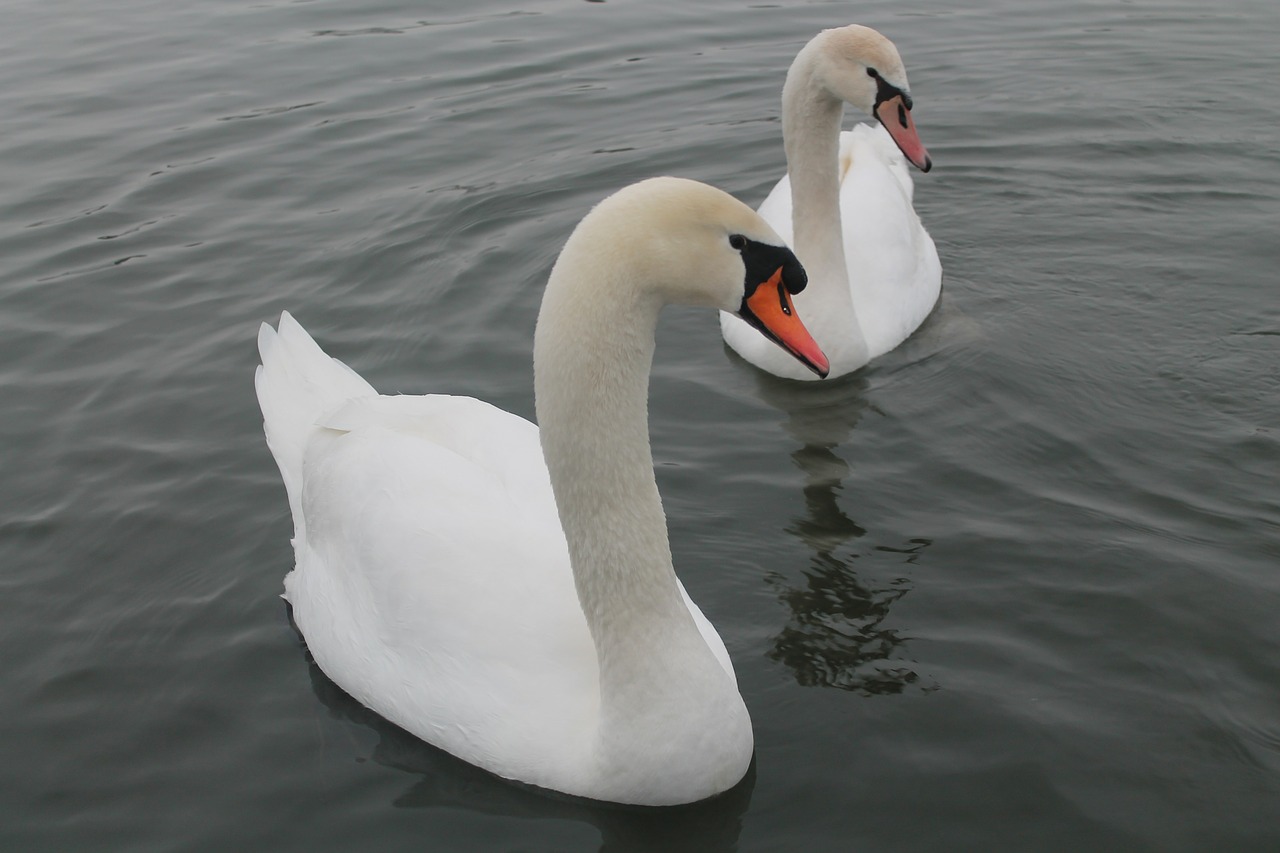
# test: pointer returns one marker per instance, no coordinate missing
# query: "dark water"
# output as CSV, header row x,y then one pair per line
x,y
1013,587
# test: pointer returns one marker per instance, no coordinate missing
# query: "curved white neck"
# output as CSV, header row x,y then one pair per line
x,y
811,117
811,136
592,355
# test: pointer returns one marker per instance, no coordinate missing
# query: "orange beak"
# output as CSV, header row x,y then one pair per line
x,y
769,309
895,115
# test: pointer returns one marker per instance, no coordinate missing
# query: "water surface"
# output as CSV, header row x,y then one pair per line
x,y
1011,587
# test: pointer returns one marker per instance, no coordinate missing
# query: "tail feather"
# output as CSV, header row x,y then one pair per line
x,y
297,383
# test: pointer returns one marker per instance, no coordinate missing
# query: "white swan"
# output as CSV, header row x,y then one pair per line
x,y
437,584
873,270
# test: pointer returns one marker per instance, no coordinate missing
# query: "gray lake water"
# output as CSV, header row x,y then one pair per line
x,y
1013,587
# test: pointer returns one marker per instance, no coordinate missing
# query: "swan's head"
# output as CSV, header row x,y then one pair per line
x,y
862,68
685,242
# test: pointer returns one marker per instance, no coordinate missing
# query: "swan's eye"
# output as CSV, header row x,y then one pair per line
x,y
737,241
871,72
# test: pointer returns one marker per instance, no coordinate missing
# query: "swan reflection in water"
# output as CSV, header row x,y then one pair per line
x,y
441,781
835,636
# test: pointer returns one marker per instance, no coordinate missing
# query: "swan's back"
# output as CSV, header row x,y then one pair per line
x,y
431,575
433,585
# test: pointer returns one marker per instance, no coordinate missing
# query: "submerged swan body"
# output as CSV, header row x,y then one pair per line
x,y
845,205
524,614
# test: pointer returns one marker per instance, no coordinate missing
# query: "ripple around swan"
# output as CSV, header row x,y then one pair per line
x,y
1017,576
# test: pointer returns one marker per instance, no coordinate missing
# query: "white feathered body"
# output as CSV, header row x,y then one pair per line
x,y
432,579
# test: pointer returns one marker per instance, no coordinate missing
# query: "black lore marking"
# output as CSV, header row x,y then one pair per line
x,y
762,260
886,91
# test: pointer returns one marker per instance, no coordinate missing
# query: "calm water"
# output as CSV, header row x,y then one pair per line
x,y
1013,587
